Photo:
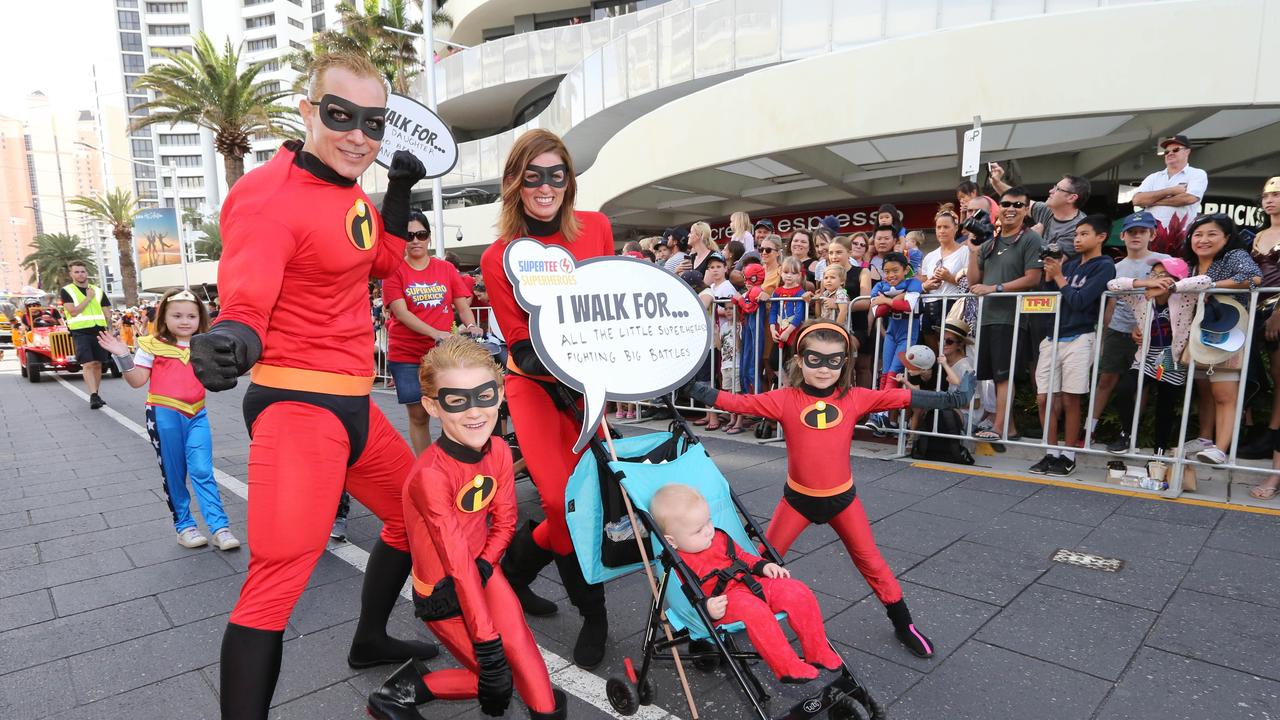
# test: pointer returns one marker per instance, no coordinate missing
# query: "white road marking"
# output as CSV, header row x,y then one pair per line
x,y
564,674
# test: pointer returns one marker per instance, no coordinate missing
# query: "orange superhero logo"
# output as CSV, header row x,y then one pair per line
x,y
477,494
360,225
821,416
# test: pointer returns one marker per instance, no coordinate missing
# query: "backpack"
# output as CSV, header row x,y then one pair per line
x,y
942,449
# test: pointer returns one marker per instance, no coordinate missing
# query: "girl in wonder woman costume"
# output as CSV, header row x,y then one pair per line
x,y
460,514
818,413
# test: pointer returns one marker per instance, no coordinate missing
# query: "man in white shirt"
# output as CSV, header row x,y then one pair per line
x,y
1178,189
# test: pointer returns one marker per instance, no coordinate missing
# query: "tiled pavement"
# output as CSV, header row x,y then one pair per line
x,y
103,615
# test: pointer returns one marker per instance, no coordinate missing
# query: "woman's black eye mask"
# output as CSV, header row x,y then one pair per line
x,y
546,176
456,400
341,115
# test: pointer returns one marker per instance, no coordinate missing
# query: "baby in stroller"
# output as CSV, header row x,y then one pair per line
x,y
742,587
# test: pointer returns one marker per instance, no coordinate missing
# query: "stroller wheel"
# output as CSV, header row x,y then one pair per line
x,y
845,709
646,692
622,696
873,710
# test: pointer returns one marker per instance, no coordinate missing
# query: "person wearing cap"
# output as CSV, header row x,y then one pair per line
x,y
661,251
1175,191
762,229
1064,369
956,362
1118,347
1266,334
422,294
1217,258
1167,330
678,240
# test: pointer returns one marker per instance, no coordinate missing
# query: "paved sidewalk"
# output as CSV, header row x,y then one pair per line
x,y
103,615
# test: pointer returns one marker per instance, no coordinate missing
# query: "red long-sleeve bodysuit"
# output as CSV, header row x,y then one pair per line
x,y
545,432
818,426
460,506
756,611
299,245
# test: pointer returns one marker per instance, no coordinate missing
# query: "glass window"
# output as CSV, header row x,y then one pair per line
x,y
131,42
132,63
191,203
134,102
260,21
296,23
264,44
262,155
317,6
144,171
317,23
166,7
180,139
169,29
127,20
141,148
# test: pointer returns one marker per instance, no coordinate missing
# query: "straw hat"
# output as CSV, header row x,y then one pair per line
x,y
1217,332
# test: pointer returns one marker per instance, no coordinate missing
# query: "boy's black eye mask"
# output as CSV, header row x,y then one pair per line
x,y
546,176
341,115
815,360
456,400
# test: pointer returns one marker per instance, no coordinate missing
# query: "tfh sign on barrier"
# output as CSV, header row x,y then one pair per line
x,y
612,328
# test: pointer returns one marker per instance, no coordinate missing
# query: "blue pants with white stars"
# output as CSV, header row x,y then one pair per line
x,y
184,447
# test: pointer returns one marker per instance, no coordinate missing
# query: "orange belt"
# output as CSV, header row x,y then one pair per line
x,y
423,589
316,381
511,365
820,492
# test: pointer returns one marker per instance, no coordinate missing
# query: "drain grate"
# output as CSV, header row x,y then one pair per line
x,y
1086,560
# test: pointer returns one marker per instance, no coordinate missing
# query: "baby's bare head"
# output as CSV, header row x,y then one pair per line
x,y
676,504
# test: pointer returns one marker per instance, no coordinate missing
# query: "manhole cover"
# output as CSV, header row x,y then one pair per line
x,y
1086,560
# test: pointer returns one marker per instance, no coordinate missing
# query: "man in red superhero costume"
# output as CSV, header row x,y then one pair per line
x,y
460,510
538,189
300,241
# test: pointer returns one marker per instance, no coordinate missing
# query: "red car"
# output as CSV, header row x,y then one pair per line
x,y
44,344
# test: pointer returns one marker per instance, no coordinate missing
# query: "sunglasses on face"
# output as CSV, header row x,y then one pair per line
x,y
1012,204
814,360
456,400
419,235
768,250
341,115
949,341
1171,150
535,176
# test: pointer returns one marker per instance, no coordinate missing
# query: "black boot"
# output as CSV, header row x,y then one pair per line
x,y
522,562
562,707
250,667
400,695
916,641
383,577
588,651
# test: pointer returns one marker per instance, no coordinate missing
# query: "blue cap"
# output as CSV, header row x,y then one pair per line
x,y
1142,219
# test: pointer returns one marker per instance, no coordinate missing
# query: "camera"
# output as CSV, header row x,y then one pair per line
x,y
1052,250
979,227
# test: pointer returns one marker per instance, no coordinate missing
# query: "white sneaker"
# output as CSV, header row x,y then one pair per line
x,y
224,540
191,538
1198,444
1212,456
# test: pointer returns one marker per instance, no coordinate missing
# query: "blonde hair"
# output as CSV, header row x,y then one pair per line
x,y
843,241
647,243
452,353
703,230
357,64
915,237
511,220
739,223
673,501
792,265
838,270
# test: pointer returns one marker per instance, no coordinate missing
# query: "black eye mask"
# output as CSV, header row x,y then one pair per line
x,y
456,400
546,176
341,115
815,360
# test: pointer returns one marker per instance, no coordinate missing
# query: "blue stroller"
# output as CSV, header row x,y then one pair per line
x,y
678,623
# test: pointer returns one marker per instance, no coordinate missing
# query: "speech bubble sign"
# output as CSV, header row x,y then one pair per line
x,y
612,328
412,126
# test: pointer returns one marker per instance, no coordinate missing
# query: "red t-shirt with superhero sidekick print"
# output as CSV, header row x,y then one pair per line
x,y
429,294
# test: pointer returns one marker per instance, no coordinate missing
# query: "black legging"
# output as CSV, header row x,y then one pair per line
x,y
1168,399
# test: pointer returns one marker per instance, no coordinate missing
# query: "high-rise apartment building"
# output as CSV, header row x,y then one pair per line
x,y
17,220
265,30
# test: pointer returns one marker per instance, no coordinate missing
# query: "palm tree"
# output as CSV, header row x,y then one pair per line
x,y
210,89
211,244
360,30
48,264
117,209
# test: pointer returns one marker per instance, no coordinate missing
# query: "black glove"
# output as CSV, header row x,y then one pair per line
x,y
527,359
704,392
224,353
405,171
486,570
493,689
956,397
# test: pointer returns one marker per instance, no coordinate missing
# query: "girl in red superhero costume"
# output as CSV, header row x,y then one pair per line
x,y
301,240
538,189
818,413
460,510
742,587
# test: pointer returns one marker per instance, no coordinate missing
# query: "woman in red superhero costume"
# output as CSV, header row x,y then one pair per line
x,y
538,189
460,509
301,240
818,413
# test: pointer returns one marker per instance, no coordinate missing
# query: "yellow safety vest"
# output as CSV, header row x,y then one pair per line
x,y
92,315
